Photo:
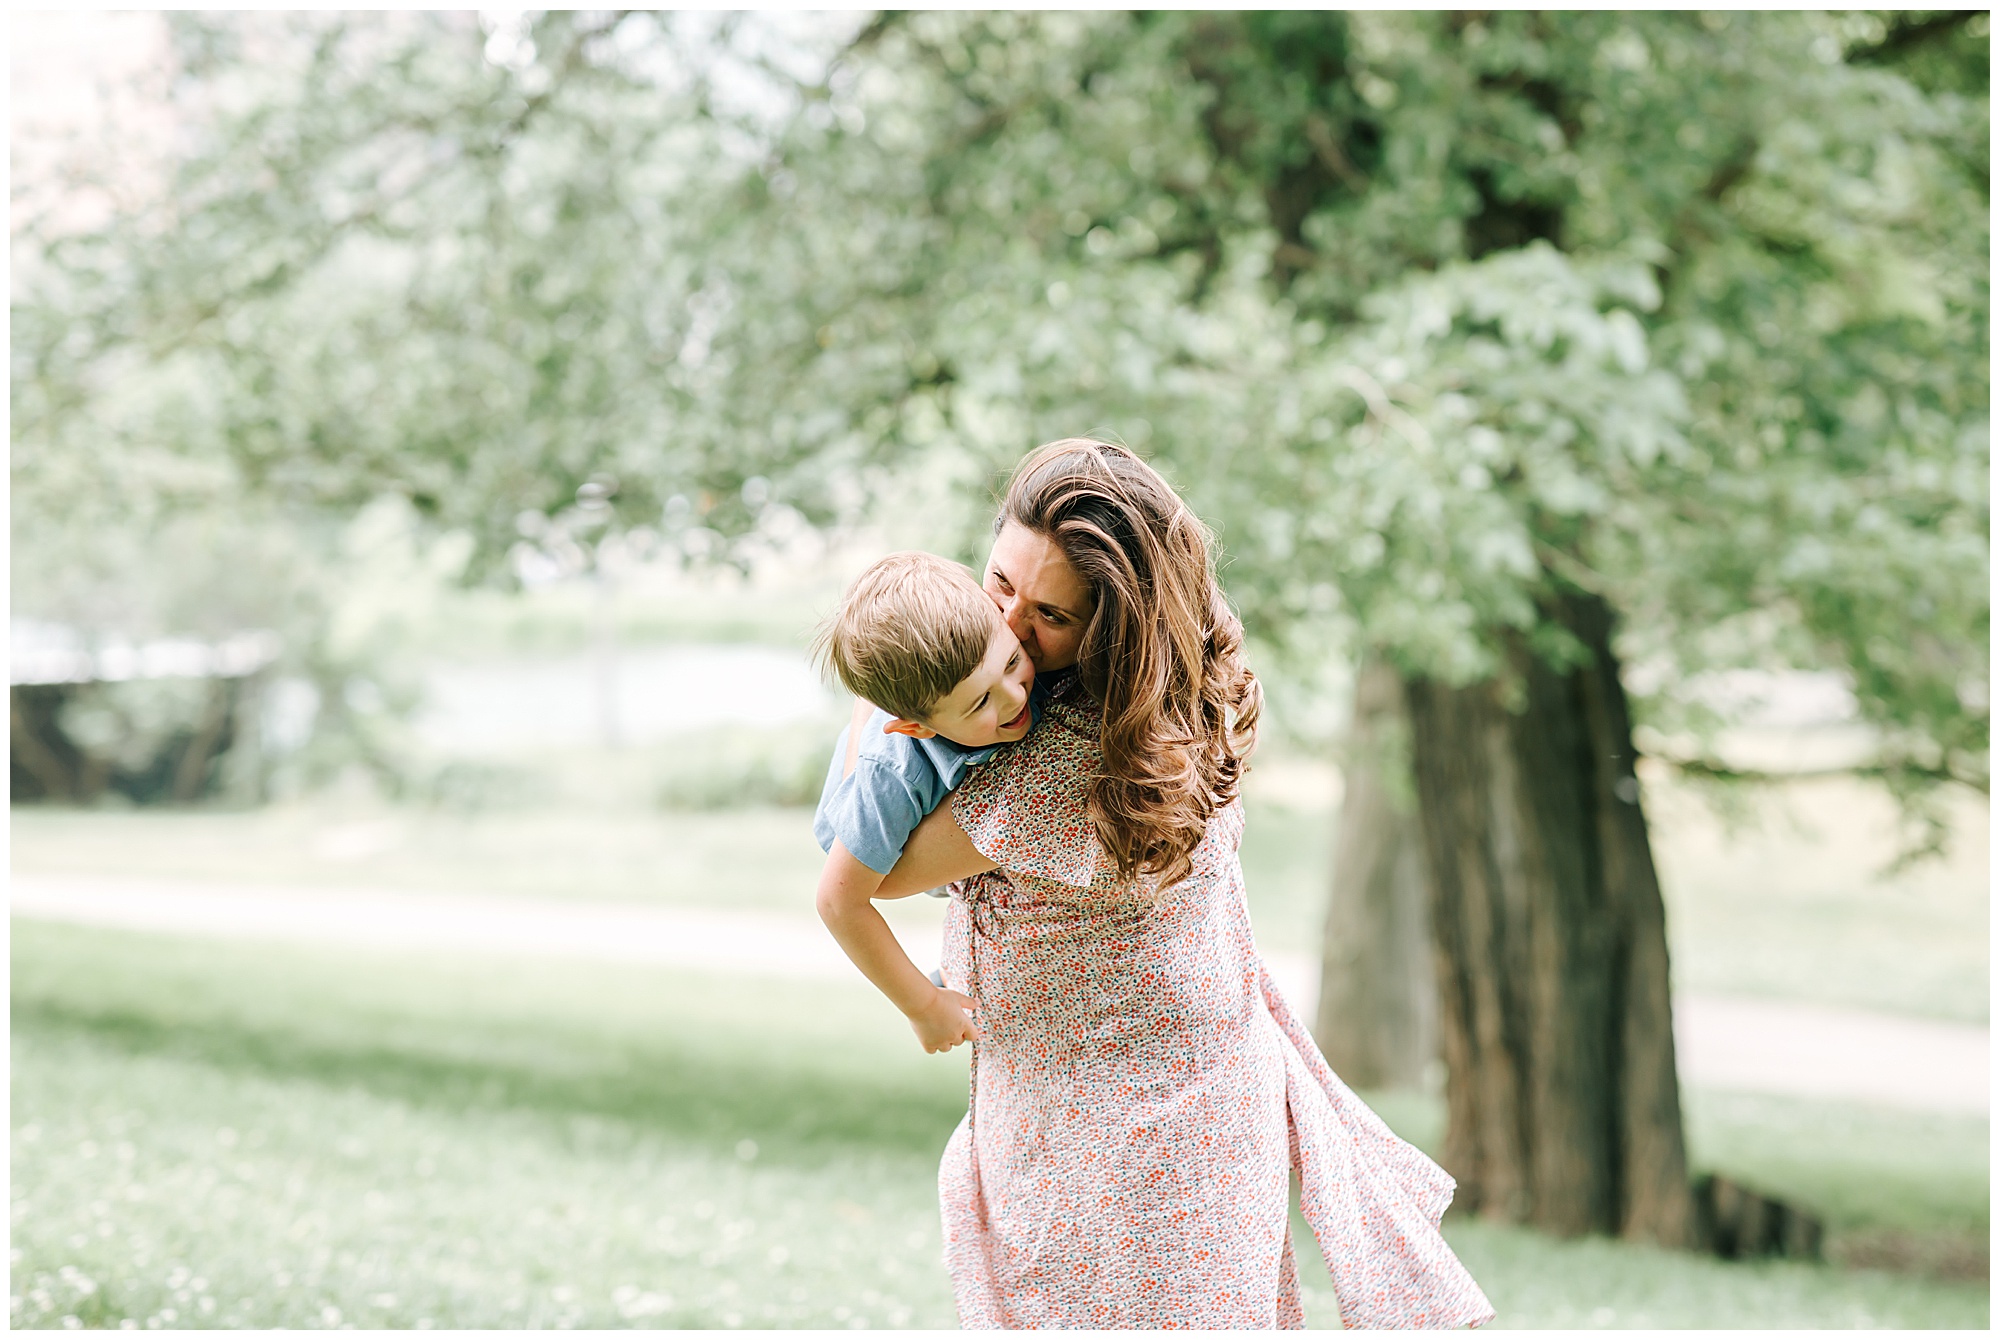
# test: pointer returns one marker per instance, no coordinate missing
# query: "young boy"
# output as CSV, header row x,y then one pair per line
x,y
942,683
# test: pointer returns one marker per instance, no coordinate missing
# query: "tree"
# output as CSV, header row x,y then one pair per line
x,y
1377,1015
476,271
1565,326
1508,349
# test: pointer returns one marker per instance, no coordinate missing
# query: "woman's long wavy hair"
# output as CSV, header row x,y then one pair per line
x,y
1162,652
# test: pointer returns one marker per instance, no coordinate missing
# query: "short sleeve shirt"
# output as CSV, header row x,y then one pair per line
x,y
896,781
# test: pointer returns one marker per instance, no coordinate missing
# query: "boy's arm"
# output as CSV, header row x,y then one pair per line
x,y
940,1016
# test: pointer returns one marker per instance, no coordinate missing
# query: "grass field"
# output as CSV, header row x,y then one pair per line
x,y
230,1134
764,860
1790,909
1795,906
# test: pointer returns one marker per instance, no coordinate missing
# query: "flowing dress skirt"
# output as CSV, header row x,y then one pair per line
x,y
1142,1096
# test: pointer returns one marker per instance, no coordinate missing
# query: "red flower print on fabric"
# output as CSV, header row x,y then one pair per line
x,y
1142,1095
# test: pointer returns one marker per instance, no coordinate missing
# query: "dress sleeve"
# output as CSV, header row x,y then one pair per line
x,y
1024,809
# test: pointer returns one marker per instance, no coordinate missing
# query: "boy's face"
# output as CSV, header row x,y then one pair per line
x,y
988,706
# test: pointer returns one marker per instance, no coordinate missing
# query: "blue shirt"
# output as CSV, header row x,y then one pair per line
x,y
896,781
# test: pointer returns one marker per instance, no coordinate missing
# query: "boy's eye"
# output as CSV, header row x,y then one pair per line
x,y
984,698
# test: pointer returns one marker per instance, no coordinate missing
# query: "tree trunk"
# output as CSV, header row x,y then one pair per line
x,y
193,773
242,775
43,764
1377,1018
1563,1103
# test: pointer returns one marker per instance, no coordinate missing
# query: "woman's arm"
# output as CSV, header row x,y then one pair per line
x,y
938,852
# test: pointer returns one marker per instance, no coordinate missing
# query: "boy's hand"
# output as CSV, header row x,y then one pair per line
x,y
944,1021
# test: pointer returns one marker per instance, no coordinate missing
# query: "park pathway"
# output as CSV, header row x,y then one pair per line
x,y
1760,1046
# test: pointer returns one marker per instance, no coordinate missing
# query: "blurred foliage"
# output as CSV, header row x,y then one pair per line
x,y
1432,315
485,623
739,767
389,264
384,584
145,741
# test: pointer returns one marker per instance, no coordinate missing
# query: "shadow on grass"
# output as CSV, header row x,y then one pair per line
x,y
1960,1257
684,1094
467,1046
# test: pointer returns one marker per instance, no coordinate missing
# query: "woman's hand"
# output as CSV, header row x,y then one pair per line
x,y
945,1020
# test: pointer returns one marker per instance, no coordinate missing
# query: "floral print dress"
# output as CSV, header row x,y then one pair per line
x,y
1142,1096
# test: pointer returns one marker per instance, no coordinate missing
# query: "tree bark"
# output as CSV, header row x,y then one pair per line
x,y
1377,1016
1562,1099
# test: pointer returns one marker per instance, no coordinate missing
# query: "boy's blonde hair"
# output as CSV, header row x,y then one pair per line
x,y
907,632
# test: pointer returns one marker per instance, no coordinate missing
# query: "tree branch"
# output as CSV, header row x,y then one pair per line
x,y
877,28
1573,570
1331,155
1908,34
1716,770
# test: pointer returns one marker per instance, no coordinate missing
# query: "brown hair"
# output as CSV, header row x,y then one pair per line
x,y
1162,652
909,629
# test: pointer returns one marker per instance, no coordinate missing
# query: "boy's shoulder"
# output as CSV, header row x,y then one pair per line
x,y
911,759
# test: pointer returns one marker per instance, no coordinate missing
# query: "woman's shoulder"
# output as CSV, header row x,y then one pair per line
x,y
1070,707
1027,807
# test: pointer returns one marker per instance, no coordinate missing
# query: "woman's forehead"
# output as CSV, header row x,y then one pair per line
x,y
1038,570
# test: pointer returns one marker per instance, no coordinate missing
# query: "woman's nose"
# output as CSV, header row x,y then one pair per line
x,y
1016,615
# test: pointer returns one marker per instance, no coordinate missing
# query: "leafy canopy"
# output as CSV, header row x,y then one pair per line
x,y
1433,316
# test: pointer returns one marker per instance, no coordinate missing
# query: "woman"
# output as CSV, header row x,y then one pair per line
x,y
1141,1094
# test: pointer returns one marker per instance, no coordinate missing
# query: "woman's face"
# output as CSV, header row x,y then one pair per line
x,y
1040,595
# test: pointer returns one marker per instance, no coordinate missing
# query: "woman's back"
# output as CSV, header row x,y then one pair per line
x,y
1126,1156
1071,957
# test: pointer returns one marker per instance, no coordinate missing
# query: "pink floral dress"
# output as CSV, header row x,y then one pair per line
x,y
1142,1095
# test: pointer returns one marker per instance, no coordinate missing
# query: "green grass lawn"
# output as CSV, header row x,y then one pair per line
x,y
409,1141
756,859
234,1134
764,860
1795,904
1791,906
1773,911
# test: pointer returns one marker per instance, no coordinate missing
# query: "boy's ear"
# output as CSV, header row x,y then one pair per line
x,y
915,730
